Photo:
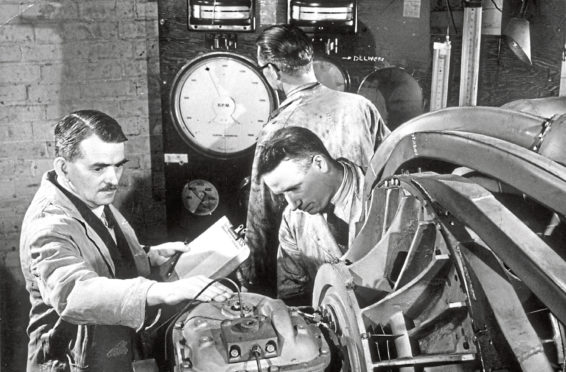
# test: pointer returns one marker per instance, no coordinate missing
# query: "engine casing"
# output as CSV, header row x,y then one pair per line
x,y
216,337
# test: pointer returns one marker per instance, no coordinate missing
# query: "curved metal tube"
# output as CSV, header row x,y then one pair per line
x,y
545,107
535,175
512,126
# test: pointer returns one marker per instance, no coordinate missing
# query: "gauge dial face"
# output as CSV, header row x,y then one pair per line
x,y
330,74
219,103
396,94
200,197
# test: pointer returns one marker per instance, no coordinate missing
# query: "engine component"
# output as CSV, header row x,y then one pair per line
x,y
545,107
258,334
461,271
434,290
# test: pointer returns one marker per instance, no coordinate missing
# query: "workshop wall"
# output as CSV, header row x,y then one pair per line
x,y
502,76
56,57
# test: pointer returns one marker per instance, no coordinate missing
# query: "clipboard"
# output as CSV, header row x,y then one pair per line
x,y
215,253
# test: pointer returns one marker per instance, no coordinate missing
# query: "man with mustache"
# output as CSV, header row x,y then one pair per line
x,y
85,270
323,205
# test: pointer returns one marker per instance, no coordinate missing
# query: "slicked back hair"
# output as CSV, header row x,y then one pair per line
x,y
77,126
290,143
287,47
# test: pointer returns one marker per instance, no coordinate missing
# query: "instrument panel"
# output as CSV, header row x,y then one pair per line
x,y
217,104
214,100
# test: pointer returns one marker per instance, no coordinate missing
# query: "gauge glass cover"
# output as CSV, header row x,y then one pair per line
x,y
330,74
220,101
200,197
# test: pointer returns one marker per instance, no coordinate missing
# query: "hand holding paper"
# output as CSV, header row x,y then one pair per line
x,y
215,253
170,248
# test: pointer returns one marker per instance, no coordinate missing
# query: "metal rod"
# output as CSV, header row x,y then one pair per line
x,y
436,359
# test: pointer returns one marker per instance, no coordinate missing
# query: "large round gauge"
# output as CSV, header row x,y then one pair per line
x,y
330,73
200,197
396,94
219,102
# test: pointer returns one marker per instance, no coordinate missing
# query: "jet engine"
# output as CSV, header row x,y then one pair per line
x,y
458,265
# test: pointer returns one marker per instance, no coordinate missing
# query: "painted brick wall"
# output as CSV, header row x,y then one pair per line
x,y
56,57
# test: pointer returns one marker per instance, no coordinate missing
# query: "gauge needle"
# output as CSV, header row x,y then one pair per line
x,y
194,200
214,83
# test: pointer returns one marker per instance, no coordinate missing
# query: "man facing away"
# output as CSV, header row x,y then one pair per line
x,y
348,124
324,203
84,268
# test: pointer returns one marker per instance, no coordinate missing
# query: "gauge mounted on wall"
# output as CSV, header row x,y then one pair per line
x,y
396,94
221,15
328,16
200,197
219,102
330,73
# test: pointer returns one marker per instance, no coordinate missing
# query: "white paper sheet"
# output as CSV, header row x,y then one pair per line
x,y
215,253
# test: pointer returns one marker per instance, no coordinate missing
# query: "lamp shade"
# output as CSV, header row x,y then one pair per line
x,y
518,36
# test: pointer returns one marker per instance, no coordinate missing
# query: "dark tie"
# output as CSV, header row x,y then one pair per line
x,y
120,251
105,220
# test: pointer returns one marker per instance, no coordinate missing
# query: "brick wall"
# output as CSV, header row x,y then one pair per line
x,y
56,57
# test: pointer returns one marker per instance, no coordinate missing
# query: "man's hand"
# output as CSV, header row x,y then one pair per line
x,y
158,254
172,293
169,249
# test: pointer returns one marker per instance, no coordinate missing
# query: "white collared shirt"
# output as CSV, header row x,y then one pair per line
x,y
342,199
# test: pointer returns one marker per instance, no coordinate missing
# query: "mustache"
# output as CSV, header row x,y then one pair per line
x,y
109,188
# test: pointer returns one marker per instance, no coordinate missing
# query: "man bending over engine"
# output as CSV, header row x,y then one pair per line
x,y
324,203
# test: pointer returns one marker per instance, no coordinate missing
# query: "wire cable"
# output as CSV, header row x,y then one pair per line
x,y
257,353
451,16
495,5
239,294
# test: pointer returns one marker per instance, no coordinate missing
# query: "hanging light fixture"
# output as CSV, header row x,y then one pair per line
x,y
518,36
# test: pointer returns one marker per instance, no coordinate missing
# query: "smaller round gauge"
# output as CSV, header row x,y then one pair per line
x,y
330,73
200,197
